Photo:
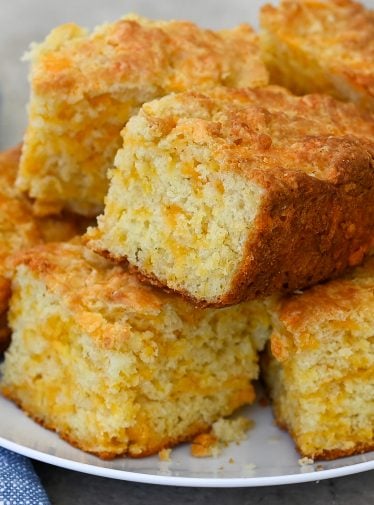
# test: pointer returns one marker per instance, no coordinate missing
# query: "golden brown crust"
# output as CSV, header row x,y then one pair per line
x,y
9,161
172,55
91,84
62,266
314,159
5,291
18,228
8,214
107,455
359,448
336,36
318,215
265,128
5,333
337,300
301,244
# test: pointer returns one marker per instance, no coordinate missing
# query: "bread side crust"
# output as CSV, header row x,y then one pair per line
x,y
327,455
283,253
152,447
108,455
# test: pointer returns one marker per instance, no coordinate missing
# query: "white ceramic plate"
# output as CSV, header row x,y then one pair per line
x,y
266,458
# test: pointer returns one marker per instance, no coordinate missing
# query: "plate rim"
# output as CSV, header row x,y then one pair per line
x,y
174,480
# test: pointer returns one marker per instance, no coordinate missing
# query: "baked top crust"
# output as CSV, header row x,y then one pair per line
x,y
85,87
99,294
266,129
136,52
335,304
81,276
339,33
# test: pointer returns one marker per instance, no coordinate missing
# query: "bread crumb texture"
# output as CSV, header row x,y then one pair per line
x,y
222,433
85,86
306,461
165,455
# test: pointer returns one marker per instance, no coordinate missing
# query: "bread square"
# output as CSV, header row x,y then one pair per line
x,y
324,46
320,370
116,367
236,194
85,86
19,229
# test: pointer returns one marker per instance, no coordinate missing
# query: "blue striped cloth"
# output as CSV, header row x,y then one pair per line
x,y
19,484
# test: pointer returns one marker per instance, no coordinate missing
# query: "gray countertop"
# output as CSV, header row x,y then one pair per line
x,y
22,21
66,488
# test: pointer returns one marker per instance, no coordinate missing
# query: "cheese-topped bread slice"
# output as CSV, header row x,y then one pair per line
x,y
235,194
320,369
116,367
85,86
324,46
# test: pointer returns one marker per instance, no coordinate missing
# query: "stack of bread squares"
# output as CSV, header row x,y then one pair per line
x,y
19,230
238,221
